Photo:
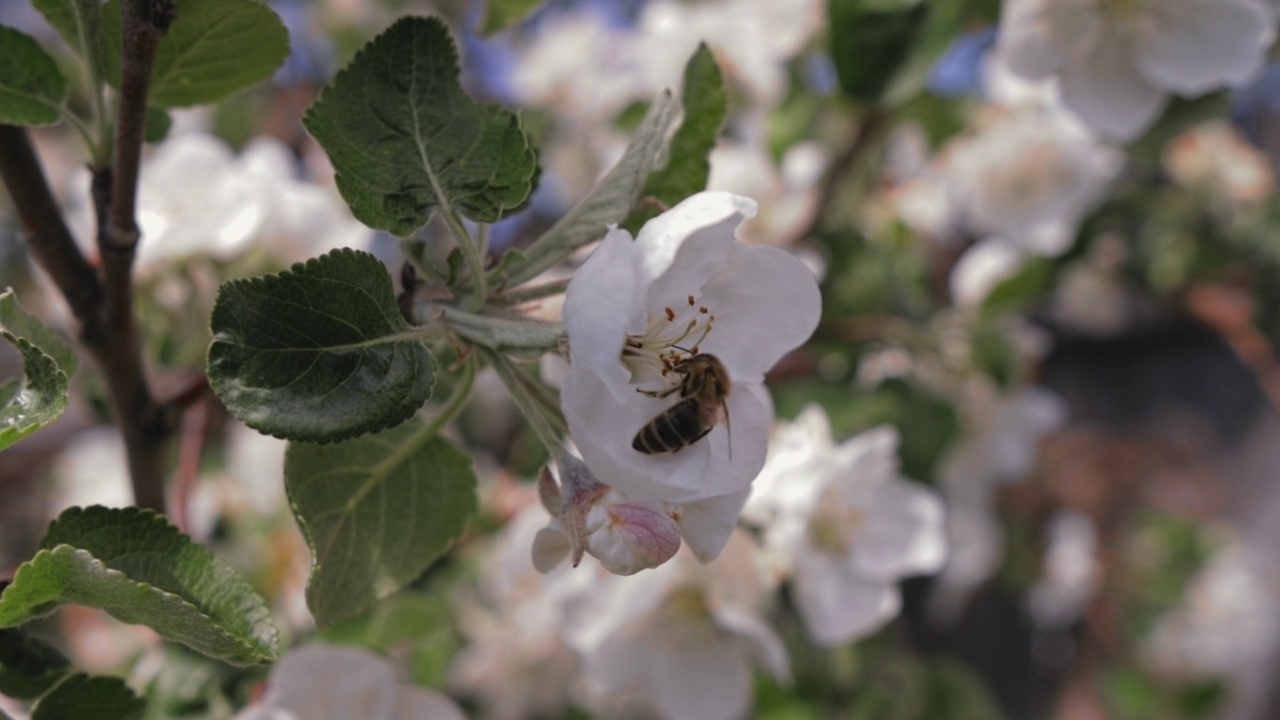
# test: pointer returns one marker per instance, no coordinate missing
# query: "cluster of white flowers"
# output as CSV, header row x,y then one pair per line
x,y
324,681
196,196
680,640
1119,61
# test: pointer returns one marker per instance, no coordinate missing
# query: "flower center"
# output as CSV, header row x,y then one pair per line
x,y
833,528
669,341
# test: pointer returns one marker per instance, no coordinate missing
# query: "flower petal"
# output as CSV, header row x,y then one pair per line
x,y
707,524
415,703
981,268
1200,45
766,303
1104,89
705,680
836,605
602,299
1036,36
706,214
904,534
769,648
634,536
550,546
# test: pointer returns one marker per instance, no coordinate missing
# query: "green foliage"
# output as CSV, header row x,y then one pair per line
x,y
609,202
47,364
141,570
158,123
32,88
502,14
688,167
870,42
319,353
90,698
213,49
1031,283
416,626
406,140
28,667
376,512
79,22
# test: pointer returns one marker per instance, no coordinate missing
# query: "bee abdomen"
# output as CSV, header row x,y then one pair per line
x,y
672,430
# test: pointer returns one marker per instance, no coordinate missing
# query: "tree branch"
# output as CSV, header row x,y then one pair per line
x,y
103,305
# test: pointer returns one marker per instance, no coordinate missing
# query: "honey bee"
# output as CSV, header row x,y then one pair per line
x,y
703,390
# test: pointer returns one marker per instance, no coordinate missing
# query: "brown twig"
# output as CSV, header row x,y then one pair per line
x,y
103,304
864,133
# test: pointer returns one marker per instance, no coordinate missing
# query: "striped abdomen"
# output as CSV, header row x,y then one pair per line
x,y
681,425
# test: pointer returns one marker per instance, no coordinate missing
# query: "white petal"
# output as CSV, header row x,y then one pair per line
x,y
766,303
714,214
707,524
550,546
981,268
1199,45
770,649
838,607
701,681
904,533
1037,36
418,703
325,681
633,536
618,665
1103,88
602,299
604,430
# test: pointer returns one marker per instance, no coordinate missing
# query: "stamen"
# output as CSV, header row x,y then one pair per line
x,y
671,314
691,301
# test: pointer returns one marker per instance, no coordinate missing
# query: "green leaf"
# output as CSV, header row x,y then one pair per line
x,y
32,88
79,22
141,570
1022,289
376,512
871,40
158,123
688,167
609,202
28,667
406,140
502,14
319,353
47,365
90,698
213,49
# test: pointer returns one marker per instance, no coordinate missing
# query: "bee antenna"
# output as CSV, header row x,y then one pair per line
x,y
684,349
728,428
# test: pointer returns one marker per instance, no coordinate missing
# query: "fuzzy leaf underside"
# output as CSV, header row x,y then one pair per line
x,y
134,565
47,365
318,353
610,201
377,512
406,140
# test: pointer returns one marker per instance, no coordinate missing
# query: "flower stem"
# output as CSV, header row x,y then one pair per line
x,y
473,255
457,400
502,334
528,406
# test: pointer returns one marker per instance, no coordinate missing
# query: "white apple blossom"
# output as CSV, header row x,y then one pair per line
x,y
1029,177
1228,620
516,663
322,682
1070,574
1120,59
1000,449
841,522
197,197
680,640
636,311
